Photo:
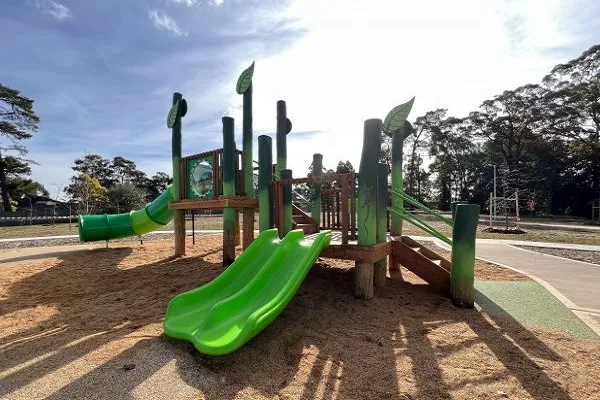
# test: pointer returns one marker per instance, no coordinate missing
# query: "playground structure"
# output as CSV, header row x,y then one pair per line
x,y
227,312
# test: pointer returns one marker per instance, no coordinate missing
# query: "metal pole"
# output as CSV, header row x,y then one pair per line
x,y
517,205
491,223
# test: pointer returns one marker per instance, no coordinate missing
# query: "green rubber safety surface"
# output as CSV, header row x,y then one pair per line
x,y
530,304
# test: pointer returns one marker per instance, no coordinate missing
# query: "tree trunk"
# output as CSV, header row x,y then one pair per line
x,y
4,186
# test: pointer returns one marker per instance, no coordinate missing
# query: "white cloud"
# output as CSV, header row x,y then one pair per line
x,y
188,3
163,21
218,2
57,10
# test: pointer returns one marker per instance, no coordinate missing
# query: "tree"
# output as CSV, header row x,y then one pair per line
x,y
18,122
158,184
19,187
88,193
124,170
573,109
95,166
124,197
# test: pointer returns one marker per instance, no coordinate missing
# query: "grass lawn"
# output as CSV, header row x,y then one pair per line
x,y
216,222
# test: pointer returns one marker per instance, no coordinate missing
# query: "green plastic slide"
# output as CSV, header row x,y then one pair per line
x,y
155,215
221,316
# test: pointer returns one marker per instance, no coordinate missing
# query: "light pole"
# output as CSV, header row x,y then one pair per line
x,y
495,200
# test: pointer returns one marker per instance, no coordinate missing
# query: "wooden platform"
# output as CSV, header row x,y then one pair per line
x,y
352,251
239,203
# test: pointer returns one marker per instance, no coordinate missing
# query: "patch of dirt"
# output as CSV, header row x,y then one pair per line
x,y
89,326
484,271
579,255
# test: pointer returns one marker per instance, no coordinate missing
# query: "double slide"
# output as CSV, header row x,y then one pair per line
x,y
221,316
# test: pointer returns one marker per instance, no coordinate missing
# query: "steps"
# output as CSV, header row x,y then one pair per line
x,y
301,220
423,262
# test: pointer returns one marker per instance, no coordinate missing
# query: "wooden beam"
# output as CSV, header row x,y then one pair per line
x,y
357,253
432,255
248,227
214,204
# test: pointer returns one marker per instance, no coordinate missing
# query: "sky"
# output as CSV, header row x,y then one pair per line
x,y
102,73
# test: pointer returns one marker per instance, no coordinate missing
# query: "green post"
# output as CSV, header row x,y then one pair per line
x,y
179,215
229,213
382,204
367,205
282,126
397,181
453,207
462,274
247,144
265,177
315,197
287,202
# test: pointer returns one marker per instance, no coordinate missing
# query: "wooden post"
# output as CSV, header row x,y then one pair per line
x,y
397,184
462,274
367,205
281,137
287,202
382,201
247,213
345,212
229,213
315,196
353,205
265,177
179,215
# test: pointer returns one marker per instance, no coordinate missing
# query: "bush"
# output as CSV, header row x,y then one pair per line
x,y
124,197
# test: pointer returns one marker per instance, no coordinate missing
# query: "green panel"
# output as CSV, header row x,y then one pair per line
x,y
221,316
462,274
200,178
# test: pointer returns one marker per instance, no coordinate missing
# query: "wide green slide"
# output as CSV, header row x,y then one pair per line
x,y
221,316
155,215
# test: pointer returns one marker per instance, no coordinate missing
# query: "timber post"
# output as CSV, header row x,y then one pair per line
x,y
247,166
397,184
315,196
367,205
178,109
380,274
281,137
265,177
287,202
229,213
462,274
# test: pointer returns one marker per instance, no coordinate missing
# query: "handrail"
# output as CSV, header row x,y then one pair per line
x,y
422,207
411,218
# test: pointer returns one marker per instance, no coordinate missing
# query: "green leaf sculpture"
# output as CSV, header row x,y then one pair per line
x,y
245,79
173,114
396,117
288,127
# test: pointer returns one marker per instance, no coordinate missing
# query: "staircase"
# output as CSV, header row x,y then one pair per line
x,y
423,262
301,220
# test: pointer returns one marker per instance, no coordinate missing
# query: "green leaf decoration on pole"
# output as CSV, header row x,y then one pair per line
x,y
288,127
245,79
173,114
396,117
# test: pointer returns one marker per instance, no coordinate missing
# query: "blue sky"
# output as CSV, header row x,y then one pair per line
x,y
102,72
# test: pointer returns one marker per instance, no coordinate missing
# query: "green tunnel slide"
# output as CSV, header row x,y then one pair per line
x,y
221,316
155,215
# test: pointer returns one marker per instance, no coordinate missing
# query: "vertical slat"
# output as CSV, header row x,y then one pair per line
x,y
353,206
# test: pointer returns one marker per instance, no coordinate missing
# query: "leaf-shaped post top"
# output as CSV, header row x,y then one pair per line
x,y
179,109
245,79
396,117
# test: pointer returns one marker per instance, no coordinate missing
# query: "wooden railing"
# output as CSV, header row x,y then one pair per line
x,y
338,204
